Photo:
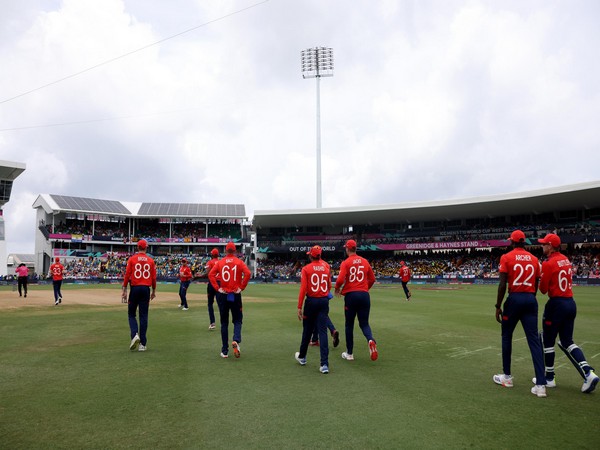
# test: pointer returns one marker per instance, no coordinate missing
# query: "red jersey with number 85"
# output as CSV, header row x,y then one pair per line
x,y
141,271
355,274
315,280
522,270
557,276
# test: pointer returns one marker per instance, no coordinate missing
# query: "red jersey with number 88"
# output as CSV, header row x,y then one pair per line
x,y
141,271
557,276
315,280
522,270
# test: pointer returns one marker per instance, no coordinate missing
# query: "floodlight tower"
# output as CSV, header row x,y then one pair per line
x,y
317,62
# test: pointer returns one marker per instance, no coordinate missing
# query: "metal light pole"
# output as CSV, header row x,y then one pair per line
x,y
316,63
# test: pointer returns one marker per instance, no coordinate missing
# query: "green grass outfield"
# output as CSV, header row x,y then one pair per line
x,y
68,380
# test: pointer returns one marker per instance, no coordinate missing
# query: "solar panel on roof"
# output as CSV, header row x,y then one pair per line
x,y
192,210
89,204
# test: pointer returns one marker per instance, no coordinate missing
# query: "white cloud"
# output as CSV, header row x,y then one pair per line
x,y
430,100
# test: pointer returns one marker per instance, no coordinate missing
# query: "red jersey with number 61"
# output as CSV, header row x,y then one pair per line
x,y
355,274
522,270
141,271
557,277
315,280
232,273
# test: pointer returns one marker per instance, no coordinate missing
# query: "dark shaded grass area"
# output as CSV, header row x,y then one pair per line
x,y
68,380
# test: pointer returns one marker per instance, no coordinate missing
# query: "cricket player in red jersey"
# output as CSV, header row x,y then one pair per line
x,y
185,277
229,277
57,270
315,286
141,274
520,272
355,279
404,274
211,292
560,312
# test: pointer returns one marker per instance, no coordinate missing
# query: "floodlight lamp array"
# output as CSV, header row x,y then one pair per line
x,y
317,62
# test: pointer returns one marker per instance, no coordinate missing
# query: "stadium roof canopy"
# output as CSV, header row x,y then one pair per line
x,y
60,203
9,171
564,198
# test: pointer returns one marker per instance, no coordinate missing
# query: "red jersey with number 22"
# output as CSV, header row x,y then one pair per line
x,y
315,280
522,270
557,278
141,271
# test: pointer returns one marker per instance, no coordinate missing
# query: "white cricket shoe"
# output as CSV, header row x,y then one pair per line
x,y
324,369
347,356
184,309
302,361
503,380
134,342
591,380
142,348
539,390
549,383
211,326
224,355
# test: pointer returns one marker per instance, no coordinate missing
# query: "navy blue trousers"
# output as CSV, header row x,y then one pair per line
x,y
522,307
330,327
56,284
225,306
315,314
559,320
211,294
139,297
405,287
357,304
183,287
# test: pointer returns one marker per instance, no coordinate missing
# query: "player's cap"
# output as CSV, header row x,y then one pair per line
x,y
57,259
315,251
350,244
401,263
551,239
142,244
230,247
214,252
517,236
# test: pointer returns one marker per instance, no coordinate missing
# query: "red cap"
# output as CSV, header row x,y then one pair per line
x,y
551,239
142,244
214,252
315,251
184,260
57,259
401,263
517,236
230,247
350,244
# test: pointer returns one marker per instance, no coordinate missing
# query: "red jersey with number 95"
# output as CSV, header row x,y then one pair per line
x,y
141,271
557,276
522,270
315,280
